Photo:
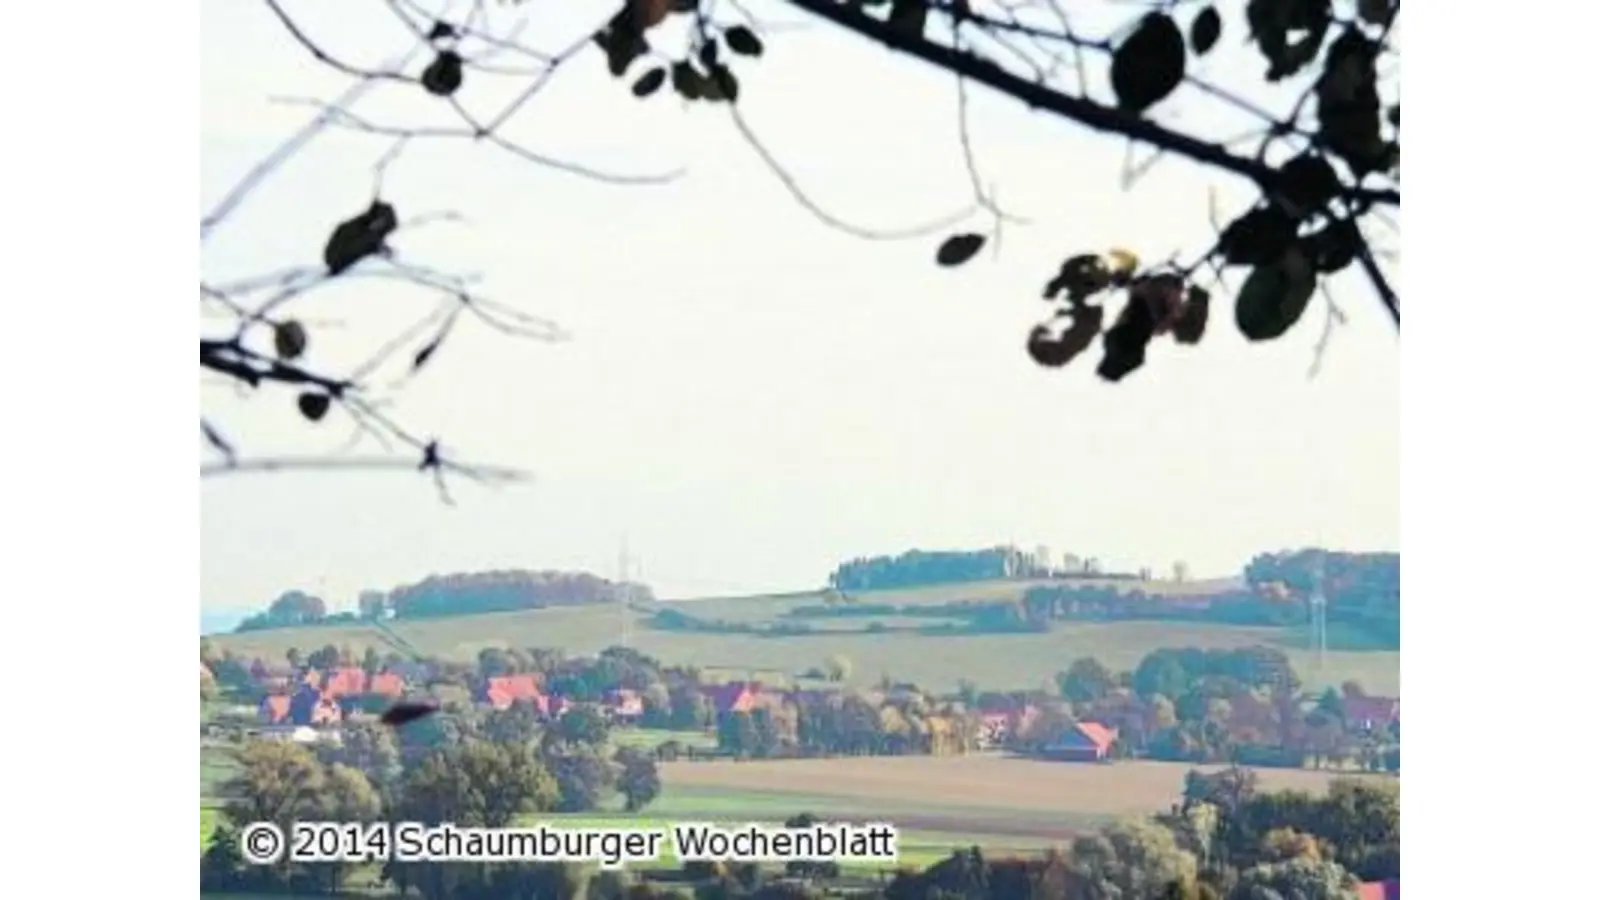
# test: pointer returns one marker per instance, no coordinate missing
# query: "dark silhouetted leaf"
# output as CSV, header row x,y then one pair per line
x,y
405,712
313,406
1349,112
289,339
708,54
960,248
1046,350
1149,65
647,14
1054,349
622,45
1086,322
1191,324
441,31
1257,237
687,82
1275,296
1205,30
1125,341
1333,247
1080,278
359,237
743,41
724,85
1119,362
1273,22
649,82
1163,296
1305,183
1394,115
442,77
1377,12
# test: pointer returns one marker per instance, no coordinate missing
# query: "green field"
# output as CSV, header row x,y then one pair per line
x,y
651,738
993,661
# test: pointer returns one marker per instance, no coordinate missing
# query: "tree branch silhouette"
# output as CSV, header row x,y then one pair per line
x,y
1320,170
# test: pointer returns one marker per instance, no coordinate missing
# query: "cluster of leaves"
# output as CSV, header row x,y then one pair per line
x,y
702,73
1305,225
1322,166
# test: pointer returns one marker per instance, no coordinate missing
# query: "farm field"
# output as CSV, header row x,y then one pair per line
x,y
981,792
994,661
939,803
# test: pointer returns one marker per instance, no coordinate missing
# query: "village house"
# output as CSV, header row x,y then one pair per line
x,y
734,697
320,698
1001,721
1082,742
623,706
501,691
306,706
345,681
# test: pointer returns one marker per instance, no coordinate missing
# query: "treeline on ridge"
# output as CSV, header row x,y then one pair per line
x,y
920,568
456,594
1362,592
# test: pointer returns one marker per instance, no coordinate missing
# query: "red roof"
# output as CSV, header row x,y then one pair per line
x,y
275,708
735,696
388,684
1380,890
344,681
501,691
1098,734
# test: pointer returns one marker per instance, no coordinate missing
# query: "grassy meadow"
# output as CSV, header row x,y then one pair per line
x,y
993,661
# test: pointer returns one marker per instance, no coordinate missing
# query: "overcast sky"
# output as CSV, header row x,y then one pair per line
x,y
749,396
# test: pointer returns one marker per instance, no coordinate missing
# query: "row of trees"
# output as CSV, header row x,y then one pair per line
x,y
450,595
921,567
1362,589
507,591
849,724
291,608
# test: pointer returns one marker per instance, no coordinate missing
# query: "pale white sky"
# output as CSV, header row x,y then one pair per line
x,y
750,396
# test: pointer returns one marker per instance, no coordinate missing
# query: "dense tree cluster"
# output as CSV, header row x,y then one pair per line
x,y
453,595
840,723
1245,705
459,766
508,591
915,568
291,608
1362,590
